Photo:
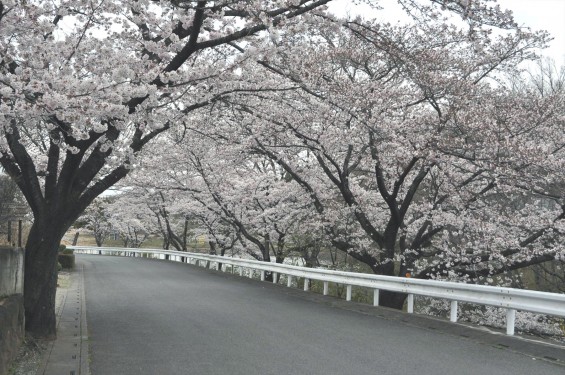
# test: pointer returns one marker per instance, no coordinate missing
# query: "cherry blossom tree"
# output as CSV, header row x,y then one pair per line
x,y
220,185
175,232
84,87
415,156
131,218
419,159
96,219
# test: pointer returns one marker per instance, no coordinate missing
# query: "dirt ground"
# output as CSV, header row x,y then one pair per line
x,y
31,353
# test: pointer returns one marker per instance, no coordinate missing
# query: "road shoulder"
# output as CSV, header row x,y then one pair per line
x,y
68,354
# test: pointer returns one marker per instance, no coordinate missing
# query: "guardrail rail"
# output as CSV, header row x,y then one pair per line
x,y
508,298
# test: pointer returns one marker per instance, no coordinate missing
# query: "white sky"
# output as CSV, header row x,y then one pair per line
x,y
546,15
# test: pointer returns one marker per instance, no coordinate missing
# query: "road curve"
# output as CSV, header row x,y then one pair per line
x,y
155,317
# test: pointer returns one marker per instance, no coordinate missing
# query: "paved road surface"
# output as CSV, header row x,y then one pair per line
x,y
154,317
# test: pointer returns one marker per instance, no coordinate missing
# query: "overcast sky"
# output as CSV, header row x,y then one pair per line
x,y
546,15
542,15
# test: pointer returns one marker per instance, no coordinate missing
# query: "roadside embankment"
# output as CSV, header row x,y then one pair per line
x,y
11,329
11,305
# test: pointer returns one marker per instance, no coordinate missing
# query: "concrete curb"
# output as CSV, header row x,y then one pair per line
x,y
68,354
84,347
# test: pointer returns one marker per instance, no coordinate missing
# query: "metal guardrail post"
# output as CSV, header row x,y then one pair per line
x,y
510,321
410,306
326,288
289,281
275,277
453,312
262,275
376,293
348,293
306,284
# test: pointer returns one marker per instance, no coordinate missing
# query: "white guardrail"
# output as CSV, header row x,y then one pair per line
x,y
507,298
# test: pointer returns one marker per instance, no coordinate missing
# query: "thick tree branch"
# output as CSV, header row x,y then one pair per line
x,y
27,178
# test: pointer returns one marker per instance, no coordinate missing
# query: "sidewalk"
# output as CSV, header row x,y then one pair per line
x,y
68,355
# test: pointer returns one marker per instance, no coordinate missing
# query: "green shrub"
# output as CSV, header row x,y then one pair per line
x,y
63,250
67,261
59,267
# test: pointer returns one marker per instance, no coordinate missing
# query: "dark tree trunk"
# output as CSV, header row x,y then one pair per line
x,y
40,283
212,246
75,239
98,240
394,300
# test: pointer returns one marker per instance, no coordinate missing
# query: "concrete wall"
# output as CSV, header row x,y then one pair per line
x,y
11,271
11,305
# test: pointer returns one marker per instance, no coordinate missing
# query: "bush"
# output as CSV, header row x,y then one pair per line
x,y
63,250
67,261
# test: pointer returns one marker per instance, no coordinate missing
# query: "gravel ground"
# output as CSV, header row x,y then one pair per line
x,y
29,358
32,350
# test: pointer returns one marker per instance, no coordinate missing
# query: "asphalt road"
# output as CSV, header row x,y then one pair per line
x,y
154,317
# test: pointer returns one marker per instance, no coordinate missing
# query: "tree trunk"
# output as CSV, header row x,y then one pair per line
x,y
75,238
40,283
394,300
212,246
